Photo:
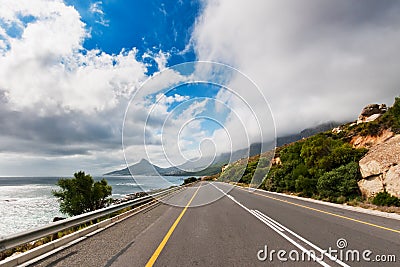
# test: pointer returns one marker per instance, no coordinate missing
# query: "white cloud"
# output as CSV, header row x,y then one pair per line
x,y
314,60
96,9
163,99
47,66
62,104
161,59
163,135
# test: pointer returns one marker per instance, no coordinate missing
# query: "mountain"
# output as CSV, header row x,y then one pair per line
x,y
280,141
143,167
209,166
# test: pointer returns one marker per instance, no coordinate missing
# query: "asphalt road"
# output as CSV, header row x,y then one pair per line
x,y
216,224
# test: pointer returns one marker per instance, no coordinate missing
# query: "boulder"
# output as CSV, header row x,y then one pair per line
x,y
225,167
371,113
56,219
380,169
276,161
337,130
393,181
370,186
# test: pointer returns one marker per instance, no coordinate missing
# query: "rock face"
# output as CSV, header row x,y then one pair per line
x,y
370,141
380,169
276,161
371,113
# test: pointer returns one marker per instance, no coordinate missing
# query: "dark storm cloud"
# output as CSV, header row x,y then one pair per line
x,y
64,133
314,60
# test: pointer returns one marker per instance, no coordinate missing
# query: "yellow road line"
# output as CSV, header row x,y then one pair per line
x,y
169,233
327,212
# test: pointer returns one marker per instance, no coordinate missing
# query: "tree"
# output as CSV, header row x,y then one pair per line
x,y
82,194
341,181
392,117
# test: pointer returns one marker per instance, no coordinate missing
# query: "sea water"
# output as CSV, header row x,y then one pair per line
x,y
27,202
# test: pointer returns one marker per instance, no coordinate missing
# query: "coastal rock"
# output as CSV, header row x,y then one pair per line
x,y
371,113
380,169
129,197
56,219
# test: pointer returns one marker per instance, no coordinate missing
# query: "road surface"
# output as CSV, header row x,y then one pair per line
x,y
217,224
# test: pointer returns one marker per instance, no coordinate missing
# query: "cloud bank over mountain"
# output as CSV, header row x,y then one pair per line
x,y
314,60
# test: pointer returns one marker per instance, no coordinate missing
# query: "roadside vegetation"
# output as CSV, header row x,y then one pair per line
x,y
385,199
323,166
244,170
190,180
82,194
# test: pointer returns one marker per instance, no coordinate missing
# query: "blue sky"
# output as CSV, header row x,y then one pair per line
x,y
150,26
199,92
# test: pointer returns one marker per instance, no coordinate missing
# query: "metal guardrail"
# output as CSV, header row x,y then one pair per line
x,y
55,227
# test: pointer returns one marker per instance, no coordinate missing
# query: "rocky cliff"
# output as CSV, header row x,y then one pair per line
x,y
369,141
371,113
380,168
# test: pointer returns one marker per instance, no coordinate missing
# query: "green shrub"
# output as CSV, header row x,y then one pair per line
x,y
341,199
385,199
339,182
189,180
305,186
373,128
319,165
392,116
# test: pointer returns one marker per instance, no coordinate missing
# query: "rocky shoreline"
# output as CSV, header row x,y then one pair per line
x,y
129,197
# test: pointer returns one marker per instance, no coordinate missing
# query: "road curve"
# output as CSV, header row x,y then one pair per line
x,y
217,224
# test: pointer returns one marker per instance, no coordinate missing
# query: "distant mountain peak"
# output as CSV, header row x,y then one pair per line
x,y
144,167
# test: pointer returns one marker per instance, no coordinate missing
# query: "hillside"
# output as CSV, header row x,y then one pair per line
x,y
284,140
326,165
143,167
199,168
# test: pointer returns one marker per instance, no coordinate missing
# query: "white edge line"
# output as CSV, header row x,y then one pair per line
x,y
280,233
378,213
335,259
264,220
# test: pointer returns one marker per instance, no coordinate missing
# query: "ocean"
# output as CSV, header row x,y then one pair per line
x,y
27,202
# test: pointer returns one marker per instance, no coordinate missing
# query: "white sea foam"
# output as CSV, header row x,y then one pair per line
x,y
25,207
130,184
26,203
